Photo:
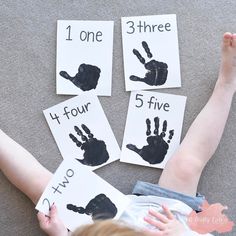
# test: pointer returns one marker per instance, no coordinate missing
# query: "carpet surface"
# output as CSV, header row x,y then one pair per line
x,y
27,87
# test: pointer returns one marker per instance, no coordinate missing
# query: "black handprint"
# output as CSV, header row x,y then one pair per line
x,y
95,152
100,208
157,71
86,78
157,147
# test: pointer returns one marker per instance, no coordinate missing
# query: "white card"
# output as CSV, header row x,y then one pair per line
x,y
81,196
151,52
84,57
153,128
81,130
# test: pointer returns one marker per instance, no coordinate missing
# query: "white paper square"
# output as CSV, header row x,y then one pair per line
x,y
163,45
81,110
164,106
75,184
89,43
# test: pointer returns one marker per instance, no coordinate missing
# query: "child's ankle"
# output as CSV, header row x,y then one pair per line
x,y
224,86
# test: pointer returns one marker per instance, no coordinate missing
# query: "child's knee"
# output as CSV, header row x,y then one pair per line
x,y
186,167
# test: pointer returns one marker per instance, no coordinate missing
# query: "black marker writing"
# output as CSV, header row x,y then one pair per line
x,y
68,112
143,27
69,30
89,36
76,111
153,103
85,36
55,117
69,173
45,200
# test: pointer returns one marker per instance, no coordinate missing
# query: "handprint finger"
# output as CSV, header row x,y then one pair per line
x,y
146,48
148,122
171,134
87,131
163,133
139,56
80,133
156,120
136,78
133,148
75,140
65,75
75,208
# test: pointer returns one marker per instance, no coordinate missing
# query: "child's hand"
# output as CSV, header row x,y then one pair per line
x,y
52,225
167,224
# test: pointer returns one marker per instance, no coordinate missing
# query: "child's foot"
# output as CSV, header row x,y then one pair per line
x,y
227,74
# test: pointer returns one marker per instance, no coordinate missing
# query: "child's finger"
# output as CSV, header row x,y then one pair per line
x,y
42,219
53,211
159,216
168,212
155,223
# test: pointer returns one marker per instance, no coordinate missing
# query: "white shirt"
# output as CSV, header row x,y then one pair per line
x,y
140,205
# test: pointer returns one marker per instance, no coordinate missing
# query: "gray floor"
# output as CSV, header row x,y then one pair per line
x,y
28,57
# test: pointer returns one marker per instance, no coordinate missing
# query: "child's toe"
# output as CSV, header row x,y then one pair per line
x,y
227,39
234,40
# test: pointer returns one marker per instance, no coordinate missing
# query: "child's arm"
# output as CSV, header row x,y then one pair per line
x,y
22,168
52,225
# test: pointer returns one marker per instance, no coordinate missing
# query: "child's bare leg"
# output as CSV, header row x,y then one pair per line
x,y
22,169
184,169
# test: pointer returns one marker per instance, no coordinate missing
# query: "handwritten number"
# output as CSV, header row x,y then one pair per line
x,y
131,27
69,31
139,99
55,117
47,201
